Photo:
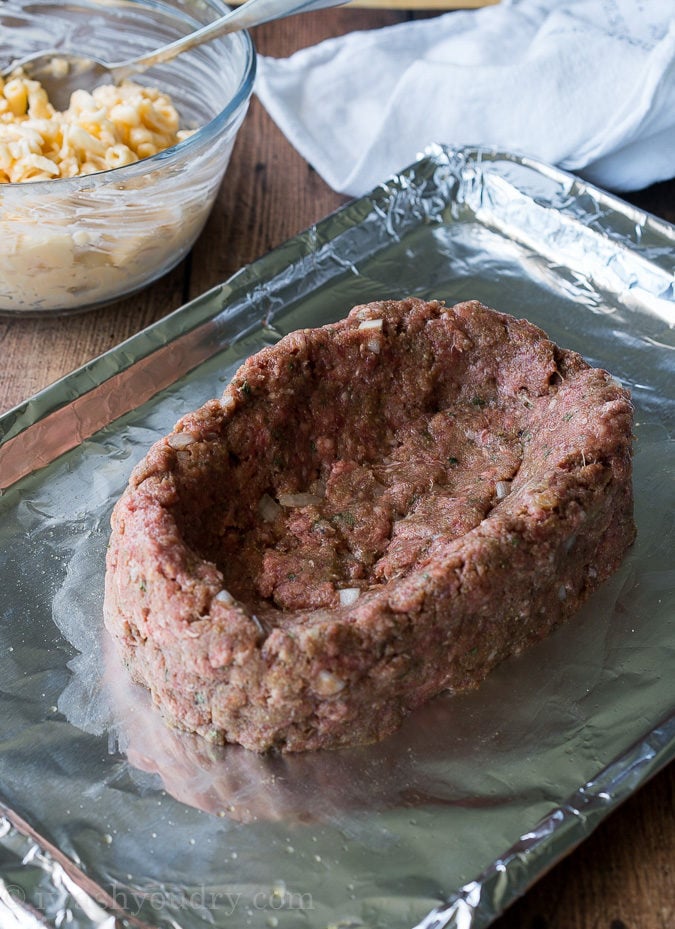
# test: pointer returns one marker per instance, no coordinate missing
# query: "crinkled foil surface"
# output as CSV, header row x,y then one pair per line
x,y
108,819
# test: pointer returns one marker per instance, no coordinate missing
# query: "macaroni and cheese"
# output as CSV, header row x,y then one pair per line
x,y
110,127
90,243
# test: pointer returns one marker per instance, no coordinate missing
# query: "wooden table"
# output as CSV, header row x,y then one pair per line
x,y
623,876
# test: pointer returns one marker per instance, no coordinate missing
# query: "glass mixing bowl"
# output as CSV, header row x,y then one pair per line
x,y
72,244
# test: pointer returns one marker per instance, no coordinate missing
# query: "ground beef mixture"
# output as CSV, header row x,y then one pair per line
x,y
375,511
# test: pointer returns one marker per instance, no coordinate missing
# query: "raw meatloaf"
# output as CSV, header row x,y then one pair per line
x,y
376,511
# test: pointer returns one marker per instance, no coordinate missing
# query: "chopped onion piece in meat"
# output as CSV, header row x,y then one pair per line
x,y
256,622
180,440
371,324
349,595
299,499
327,684
268,508
503,489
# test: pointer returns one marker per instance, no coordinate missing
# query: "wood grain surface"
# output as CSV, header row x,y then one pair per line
x,y
623,875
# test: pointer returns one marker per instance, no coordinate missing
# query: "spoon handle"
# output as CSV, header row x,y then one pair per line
x,y
250,13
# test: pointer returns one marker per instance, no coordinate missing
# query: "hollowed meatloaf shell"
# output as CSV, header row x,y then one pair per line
x,y
376,511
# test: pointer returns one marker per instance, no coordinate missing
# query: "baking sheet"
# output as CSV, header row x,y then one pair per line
x,y
107,819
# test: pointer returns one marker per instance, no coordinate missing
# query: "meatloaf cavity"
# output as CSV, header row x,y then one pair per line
x,y
376,511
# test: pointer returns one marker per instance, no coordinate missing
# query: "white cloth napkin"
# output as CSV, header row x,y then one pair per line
x,y
588,85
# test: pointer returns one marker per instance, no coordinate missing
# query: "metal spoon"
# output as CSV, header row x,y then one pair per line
x,y
60,72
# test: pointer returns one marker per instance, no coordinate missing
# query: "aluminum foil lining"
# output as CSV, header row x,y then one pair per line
x,y
108,819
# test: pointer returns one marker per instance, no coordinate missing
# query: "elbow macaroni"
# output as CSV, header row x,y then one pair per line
x,y
108,128
72,247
